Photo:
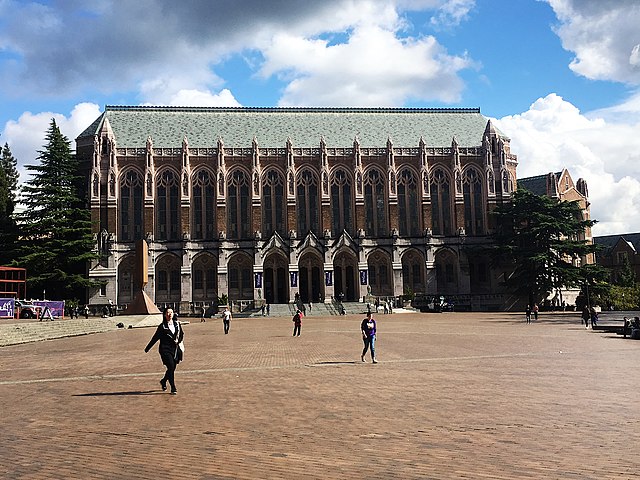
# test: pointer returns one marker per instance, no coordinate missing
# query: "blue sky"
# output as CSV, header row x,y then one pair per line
x,y
560,77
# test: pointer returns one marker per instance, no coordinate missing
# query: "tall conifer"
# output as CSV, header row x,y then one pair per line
x,y
56,241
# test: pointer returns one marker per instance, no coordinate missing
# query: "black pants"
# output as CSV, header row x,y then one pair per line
x,y
296,328
169,376
226,326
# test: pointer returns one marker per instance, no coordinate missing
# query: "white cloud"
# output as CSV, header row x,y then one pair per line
x,y
603,35
374,67
553,134
26,136
452,13
198,98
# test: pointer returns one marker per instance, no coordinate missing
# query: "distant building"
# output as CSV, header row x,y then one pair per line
x,y
270,204
618,250
560,186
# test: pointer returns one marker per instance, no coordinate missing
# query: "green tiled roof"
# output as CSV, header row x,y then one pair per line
x,y
237,127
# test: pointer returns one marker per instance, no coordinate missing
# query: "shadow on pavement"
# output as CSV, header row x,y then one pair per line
x,y
107,394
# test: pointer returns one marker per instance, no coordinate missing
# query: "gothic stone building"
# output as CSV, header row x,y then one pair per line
x,y
262,204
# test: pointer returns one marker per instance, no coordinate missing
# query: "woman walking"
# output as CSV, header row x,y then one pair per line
x,y
170,335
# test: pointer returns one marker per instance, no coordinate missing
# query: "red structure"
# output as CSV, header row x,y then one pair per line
x,y
13,282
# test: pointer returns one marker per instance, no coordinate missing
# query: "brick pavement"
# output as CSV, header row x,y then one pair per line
x,y
454,396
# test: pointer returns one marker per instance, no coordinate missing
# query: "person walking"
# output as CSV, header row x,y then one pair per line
x,y
527,314
368,329
170,335
297,323
585,317
226,320
536,309
594,317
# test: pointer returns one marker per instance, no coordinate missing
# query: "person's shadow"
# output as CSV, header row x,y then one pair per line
x,y
108,394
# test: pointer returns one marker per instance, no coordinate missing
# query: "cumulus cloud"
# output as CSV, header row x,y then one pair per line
x,y
374,67
553,134
603,36
26,136
160,49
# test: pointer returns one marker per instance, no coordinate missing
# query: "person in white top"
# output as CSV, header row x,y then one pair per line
x,y
226,319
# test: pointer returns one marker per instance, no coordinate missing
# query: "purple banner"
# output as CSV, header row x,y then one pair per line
x,y
7,307
56,308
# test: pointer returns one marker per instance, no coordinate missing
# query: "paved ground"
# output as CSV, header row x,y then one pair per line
x,y
454,396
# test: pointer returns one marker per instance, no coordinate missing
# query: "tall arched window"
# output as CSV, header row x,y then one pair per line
x,y
238,206
203,206
273,203
441,203
473,203
167,205
408,206
413,272
375,205
341,203
307,202
131,207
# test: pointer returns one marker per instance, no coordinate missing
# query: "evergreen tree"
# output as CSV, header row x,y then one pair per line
x,y
8,197
55,239
9,165
539,236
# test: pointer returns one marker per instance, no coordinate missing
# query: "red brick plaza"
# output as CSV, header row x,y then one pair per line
x,y
454,396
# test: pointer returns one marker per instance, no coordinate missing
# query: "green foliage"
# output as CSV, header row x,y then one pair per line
x,y
9,164
625,298
223,300
8,195
539,236
595,288
626,277
55,229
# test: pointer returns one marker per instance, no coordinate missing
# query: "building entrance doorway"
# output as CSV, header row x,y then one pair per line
x,y
276,287
345,277
310,274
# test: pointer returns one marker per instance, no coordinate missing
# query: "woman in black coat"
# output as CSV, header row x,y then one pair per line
x,y
170,334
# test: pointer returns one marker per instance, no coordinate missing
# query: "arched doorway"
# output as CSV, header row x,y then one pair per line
x,y
168,279
413,272
345,272
446,272
311,276
276,286
240,271
126,277
204,273
379,266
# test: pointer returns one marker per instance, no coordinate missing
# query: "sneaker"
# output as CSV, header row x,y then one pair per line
x,y
362,358
163,384
174,392
375,361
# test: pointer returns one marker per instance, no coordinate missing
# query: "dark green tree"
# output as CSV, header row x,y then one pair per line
x,y
9,165
626,276
8,198
55,229
539,237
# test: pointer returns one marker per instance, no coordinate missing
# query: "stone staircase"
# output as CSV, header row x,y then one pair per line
x,y
25,332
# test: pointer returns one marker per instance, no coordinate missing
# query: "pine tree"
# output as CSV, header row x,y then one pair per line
x,y
8,198
9,164
55,238
540,236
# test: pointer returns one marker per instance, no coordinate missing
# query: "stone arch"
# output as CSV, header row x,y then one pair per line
x,y
126,279
311,276
167,279
413,272
276,277
240,276
447,271
204,278
380,273
345,275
